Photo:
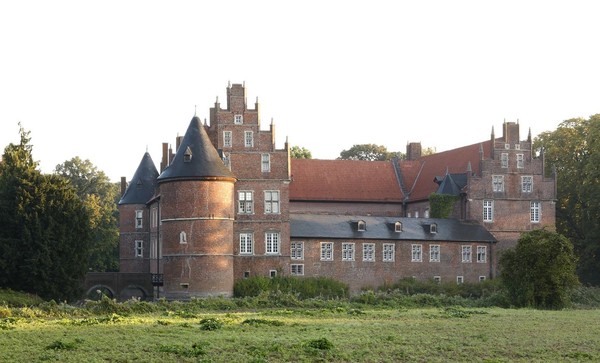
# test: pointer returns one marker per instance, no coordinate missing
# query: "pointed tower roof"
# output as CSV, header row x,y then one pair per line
x,y
451,184
142,185
196,157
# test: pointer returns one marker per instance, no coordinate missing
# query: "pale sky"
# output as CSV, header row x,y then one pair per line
x,y
108,80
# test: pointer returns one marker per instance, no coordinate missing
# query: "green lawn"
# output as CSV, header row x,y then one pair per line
x,y
274,335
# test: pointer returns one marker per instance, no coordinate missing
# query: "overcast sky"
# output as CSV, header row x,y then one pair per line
x,y
108,80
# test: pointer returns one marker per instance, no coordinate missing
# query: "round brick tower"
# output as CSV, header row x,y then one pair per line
x,y
196,194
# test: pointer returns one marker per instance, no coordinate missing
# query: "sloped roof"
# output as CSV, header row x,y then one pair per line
x,y
413,229
202,159
142,185
419,175
344,180
452,184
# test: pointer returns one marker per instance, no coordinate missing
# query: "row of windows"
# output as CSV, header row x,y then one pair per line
x,y
265,162
272,243
526,183
246,202
535,211
504,160
228,139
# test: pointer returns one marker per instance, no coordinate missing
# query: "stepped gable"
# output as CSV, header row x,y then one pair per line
x,y
344,180
196,157
453,161
142,185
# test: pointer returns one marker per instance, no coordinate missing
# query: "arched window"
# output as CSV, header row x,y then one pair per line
x,y
362,226
398,226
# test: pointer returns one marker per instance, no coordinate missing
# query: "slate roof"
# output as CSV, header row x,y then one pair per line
x,y
344,180
204,161
451,184
143,184
327,226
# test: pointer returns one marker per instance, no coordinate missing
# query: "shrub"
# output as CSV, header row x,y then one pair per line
x,y
303,288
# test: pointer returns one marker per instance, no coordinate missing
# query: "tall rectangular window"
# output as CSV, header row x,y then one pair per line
x,y
139,248
498,183
326,251
520,161
245,202
297,269
272,243
466,253
434,253
238,119
226,138
246,243
347,251
139,214
504,160
527,183
266,163
248,139
488,210
481,254
271,201
416,253
369,252
535,211
297,251
389,251
154,218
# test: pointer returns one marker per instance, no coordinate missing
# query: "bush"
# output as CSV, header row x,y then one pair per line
x,y
303,288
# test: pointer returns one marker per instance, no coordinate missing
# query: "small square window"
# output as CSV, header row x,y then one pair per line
x,y
238,119
459,280
272,273
481,278
437,279
297,270
246,274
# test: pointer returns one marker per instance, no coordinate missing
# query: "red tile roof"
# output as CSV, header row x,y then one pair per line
x,y
344,180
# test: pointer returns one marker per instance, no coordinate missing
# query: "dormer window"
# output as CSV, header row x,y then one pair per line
x,y
398,227
187,156
433,228
361,226
238,119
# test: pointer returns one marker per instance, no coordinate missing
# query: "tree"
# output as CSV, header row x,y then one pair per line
x,y
297,152
540,271
370,152
45,234
574,151
101,197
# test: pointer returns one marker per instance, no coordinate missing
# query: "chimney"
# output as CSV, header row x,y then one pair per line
x,y
123,185
413,151
165,161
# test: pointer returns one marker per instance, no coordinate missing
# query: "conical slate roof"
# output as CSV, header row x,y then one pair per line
x,y
196,157
142,185
452,184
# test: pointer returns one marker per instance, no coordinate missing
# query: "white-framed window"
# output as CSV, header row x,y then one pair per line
x,y
227,160
297,269
152,247
238,119
481,278
466,252
389,251
517,146
535,211
498,183
426,214
326,251
227,139
265,163
520,161
437,279
273,273
246,245
369,252
507,146
297,250
272,243
459,280
139,215
433,228
182,237
416,214
139,248
248,139
246,274
416,253
271,201
347,251
362,226
481,254
245,202
434,253
504,160
488,210
527,183
398,227
154,218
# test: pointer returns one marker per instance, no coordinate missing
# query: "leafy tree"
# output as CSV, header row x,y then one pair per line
x,y
574,151
297,152
370,152
441,205
46,232
101,197
540,271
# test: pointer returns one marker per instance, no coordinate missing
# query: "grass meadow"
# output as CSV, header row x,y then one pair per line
x,y
343,333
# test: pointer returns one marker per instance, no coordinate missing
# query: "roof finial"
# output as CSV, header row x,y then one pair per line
x,y
146,147
195,109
